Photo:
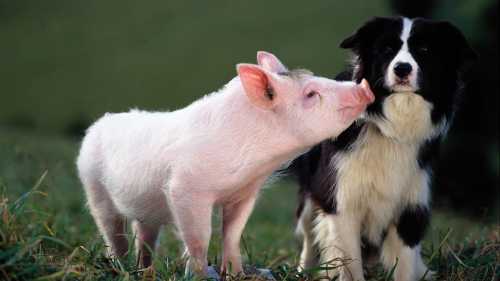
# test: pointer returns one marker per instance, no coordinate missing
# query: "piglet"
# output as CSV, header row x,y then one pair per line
x,y
157,168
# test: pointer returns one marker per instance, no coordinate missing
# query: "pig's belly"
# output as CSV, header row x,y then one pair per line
x,y
148,205
135,187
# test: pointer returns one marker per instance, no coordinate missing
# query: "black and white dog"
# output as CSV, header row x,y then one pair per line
x,y
370,188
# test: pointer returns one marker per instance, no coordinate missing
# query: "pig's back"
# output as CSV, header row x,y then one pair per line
x,y
124,150
135,148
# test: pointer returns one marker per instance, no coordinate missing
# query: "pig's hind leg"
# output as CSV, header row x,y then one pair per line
x,y
109,221
111,224
146,236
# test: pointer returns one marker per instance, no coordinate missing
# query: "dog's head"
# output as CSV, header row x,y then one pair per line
x,y
419,56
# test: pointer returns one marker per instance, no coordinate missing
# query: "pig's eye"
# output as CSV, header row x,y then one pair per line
x,y
311,94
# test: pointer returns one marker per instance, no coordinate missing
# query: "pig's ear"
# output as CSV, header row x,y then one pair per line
x,y
270,62
256,82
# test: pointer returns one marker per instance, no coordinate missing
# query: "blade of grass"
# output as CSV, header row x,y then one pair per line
x,y
21,201
390,274
21,253
436,251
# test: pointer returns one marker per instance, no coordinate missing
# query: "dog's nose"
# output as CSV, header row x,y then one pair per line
x,y
402,69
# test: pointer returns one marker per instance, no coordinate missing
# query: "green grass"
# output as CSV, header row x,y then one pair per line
x,y
46,232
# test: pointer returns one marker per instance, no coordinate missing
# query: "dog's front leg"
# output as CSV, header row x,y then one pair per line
x,y
341,246
408,260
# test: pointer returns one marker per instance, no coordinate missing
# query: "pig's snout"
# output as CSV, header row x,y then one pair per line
x,y
356,96
366,92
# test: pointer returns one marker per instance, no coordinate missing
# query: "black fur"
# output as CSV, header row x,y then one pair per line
x,y
428,152
304,168
447,52
316,177
368,249
412,224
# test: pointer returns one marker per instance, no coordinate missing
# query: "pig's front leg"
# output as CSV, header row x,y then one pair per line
x,y
192,212
234,219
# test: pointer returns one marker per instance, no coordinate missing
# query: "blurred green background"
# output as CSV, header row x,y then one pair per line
x,y
64,63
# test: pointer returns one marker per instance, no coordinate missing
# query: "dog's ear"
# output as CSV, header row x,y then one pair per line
x,y
457,42
366,33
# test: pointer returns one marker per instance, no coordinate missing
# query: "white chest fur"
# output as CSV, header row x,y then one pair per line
x,y
380,175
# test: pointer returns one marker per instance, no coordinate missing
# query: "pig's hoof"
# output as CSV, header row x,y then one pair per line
x,y
429,275
265,274
212,274
261,274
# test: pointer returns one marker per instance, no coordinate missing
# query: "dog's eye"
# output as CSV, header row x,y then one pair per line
x,y
388,50
311,94
423,50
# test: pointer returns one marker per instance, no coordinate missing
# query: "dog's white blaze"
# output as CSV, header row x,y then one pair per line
x,y
405,33
403,56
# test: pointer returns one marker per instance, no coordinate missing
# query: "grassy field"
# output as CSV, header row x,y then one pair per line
x,y
46,233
